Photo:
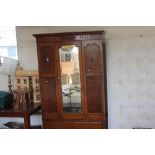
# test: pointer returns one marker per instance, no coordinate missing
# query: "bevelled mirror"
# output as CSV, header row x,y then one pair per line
x,y
70,79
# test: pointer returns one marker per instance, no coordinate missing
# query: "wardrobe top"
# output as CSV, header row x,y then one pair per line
x,y
74,35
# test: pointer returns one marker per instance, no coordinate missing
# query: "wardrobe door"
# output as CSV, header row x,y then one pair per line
x,y
47,57
93,70
72,105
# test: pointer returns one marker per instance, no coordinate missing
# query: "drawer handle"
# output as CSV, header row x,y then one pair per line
x,y
46,81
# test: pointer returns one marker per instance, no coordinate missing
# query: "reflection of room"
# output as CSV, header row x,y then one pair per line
x,y
69,61
70,78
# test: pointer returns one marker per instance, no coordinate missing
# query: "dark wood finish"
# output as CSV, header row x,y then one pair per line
x,y
92,51
104,82
48,87
47,59
93,94
24,110
70,36
92,77
74,125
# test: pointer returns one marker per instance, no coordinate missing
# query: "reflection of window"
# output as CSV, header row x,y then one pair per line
x,y
1,60
25,81
37,88
68,57
8,45
65,57
76,78
18,80
12,51
38,97
37,81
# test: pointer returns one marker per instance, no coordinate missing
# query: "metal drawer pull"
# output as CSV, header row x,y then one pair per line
x,y
46,81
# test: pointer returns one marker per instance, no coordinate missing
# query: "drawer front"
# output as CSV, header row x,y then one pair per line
x,y
73,125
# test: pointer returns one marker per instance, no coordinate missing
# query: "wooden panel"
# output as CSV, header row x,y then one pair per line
x,y
73,125
92,117
73,116
93,75
47,59
92,58
48,94
93,94
48,116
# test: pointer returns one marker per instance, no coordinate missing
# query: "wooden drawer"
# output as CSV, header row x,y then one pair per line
x,y
73,125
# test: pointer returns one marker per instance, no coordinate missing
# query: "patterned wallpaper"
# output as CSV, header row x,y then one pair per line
x,y
131,82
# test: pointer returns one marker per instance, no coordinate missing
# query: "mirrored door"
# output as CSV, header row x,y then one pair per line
x,y
70,79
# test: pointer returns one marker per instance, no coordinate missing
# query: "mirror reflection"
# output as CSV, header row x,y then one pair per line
x,y
70,79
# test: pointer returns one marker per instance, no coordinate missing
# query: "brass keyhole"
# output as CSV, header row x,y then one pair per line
x,y
47,59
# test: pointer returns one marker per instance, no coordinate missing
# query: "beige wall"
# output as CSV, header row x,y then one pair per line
x,y
26,43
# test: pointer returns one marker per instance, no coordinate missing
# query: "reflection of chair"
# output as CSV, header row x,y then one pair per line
x,y
76,78
64,79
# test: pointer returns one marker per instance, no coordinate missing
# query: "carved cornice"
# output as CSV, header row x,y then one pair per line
x,y
53,37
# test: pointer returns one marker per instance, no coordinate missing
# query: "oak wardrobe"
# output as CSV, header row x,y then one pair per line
x,y
72,76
